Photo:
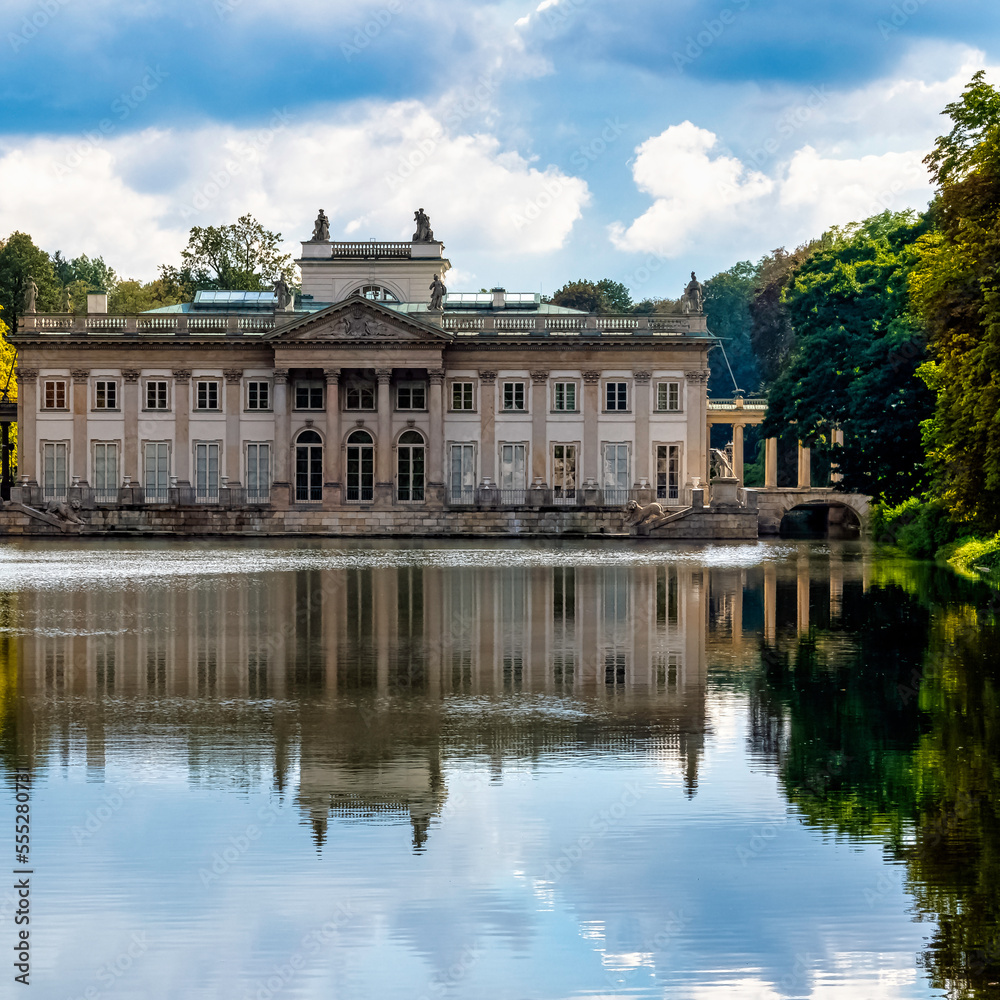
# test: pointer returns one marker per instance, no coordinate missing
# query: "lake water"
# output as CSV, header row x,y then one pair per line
x,y
539,770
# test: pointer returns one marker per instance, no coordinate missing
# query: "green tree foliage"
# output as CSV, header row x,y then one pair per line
x,y
242,255
727,308
19,260
170,288
856,351
95,274
604,296
956,293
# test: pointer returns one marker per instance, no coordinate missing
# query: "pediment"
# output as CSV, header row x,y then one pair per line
x,y
359,321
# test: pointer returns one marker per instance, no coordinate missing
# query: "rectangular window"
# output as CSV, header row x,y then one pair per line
x,y
258,473
463,473
513,473
668,396
616,473
156,395
54,464
105,395
308,395
616,395
359,396
105,472
461,396
668,472
565,396
411,396
157,471
208,396
513,395
564,473
54,395
206,473
258,395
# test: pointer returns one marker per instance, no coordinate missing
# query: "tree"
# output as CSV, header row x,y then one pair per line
x,y
604,296
131,296
727,308
97,276
20,259
956,293
242,255
857,347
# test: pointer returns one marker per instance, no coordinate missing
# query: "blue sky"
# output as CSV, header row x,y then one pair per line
x,y
548,140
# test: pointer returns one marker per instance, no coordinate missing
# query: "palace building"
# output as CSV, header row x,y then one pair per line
x,y
372,399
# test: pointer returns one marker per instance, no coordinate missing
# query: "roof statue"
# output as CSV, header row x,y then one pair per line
x,y
694,297
424,233
438,292
321,229
30,295
282,293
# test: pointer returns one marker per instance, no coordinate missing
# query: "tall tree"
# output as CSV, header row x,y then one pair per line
x,y
241,255
604,296
727,308
956,293
95,273
20,260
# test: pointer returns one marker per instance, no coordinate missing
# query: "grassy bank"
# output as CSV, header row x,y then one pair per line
x,y
979,557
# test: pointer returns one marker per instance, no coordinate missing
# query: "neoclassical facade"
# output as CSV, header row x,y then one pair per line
x,y
360,394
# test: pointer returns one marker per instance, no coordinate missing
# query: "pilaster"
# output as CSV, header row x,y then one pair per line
x,y
332,453
435,447
182,424
27,409
78,461
591,414
130,409
641,406
487,425
383,447
539,421
234,408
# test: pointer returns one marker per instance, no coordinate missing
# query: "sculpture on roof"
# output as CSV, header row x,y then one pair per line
x,y
424,233
694,296
321,228
282,293
438,292
30,295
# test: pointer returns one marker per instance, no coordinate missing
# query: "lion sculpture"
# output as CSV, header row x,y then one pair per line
x,y
64,511
638,514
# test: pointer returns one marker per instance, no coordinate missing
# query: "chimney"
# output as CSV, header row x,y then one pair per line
x,y
97,303
499,298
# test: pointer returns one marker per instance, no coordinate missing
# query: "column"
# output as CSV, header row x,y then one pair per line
x,y
738,452
591,433
487,425
27,407
234,407
182,415
770,603
435,446
78,460
805,467
282,428
836,438
131,465
383,447
641,407
333,452
698,459
771,464
539,422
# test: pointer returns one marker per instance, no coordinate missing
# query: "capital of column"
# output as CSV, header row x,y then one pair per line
x,y
332,376
26,374
487,378
182,375
280,376
436,375
80,376
131,375
233,374
383,375
539,377
591,378
642,378
698,376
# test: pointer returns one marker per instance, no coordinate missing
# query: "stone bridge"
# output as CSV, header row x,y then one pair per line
x,y
844,508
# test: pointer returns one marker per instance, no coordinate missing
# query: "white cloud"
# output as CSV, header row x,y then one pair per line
x,y
693,189
132,198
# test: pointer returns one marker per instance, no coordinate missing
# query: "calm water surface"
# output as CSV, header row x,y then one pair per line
x,y
500,771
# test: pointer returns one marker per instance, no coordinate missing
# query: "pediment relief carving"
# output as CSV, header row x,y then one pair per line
x,y
356,322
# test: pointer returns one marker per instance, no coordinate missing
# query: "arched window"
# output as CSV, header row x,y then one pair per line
x,y
360,467
376,293
410,466
309,466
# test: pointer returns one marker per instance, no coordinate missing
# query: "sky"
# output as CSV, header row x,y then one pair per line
x,y
548,141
